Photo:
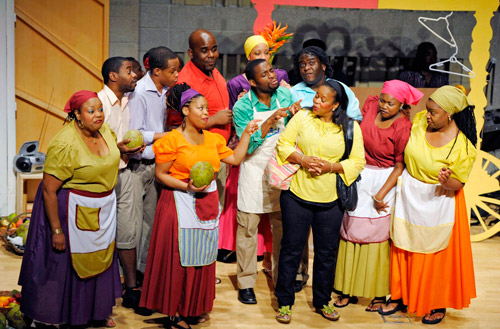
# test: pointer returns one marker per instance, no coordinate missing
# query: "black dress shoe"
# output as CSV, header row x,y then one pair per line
x,y
297,286
143,311
247,296
131,298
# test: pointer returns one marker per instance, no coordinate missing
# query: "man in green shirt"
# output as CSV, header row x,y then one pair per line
x,y
272,105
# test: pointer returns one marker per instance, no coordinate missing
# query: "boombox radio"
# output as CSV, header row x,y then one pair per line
x,y
29,160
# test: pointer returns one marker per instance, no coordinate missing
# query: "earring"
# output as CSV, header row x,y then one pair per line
x,y
80,124
183,125
449,118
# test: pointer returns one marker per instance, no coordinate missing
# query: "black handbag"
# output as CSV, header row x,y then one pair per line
x,y
347,195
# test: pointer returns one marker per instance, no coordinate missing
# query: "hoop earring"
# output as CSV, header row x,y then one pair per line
x,y
80,124
183,125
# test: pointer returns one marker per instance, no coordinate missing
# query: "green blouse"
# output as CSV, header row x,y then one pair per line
x,y
70,160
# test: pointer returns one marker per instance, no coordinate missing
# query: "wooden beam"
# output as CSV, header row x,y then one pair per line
x,y
27,97
58,43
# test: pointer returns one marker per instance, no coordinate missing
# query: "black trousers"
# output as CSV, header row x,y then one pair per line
x,y
297,218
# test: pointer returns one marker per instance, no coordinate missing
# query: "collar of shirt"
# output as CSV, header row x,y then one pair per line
x,y
255,102
199,74
149,85
110,94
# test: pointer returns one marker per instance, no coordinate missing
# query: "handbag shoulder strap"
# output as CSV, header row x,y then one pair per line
x,y
348,139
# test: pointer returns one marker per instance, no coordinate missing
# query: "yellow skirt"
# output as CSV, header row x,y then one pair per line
x,y
363,269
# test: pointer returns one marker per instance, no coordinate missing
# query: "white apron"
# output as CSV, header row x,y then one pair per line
x,y
424,215
254,193
364,224
198,217
91,231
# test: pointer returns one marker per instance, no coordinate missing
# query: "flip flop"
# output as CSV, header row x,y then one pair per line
x,y
435,321
374,302
351,300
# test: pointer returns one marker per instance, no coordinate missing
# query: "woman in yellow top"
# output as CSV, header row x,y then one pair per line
x,y
312,198
431,257
70,271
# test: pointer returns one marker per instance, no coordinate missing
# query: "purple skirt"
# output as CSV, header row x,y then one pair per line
x,y
52,291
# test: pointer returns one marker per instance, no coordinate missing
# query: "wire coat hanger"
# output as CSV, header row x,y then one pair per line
x,y
452,44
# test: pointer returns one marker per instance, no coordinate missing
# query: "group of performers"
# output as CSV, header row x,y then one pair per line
x,y
408,237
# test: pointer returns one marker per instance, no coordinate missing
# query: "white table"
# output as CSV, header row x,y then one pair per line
x,y
21,194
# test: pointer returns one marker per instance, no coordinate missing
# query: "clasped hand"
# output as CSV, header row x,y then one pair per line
x,y
316,166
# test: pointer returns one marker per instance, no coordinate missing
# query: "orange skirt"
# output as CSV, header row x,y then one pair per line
x,y
441,280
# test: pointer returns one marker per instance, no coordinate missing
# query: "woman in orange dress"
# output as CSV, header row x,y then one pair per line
x,y
431,256
180,270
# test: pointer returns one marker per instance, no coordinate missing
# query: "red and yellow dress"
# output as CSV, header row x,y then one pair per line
x,y
180,270
431,258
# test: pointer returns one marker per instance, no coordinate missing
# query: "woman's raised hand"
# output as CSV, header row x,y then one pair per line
x,y
252,127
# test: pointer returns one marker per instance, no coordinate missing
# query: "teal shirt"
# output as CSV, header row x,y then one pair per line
x,y
243,113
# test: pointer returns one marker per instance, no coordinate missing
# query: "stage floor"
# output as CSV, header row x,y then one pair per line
x,y
484,311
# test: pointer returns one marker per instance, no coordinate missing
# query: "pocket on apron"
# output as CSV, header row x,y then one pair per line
x,y
87,219
207,205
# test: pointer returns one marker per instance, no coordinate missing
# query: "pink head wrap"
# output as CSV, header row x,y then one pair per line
x,y
77,99
402,91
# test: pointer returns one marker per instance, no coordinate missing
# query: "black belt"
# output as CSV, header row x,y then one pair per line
x,y
143,161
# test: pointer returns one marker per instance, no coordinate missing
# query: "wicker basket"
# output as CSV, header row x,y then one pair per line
x,y
9,245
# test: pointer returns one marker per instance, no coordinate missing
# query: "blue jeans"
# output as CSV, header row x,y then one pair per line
x,y
297,218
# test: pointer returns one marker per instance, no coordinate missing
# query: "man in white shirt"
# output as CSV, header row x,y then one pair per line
x,y
119,79
148,113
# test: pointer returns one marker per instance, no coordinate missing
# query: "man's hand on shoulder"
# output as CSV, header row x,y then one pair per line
x,y
220,118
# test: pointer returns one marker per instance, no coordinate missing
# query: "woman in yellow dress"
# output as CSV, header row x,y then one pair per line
x,y
431,257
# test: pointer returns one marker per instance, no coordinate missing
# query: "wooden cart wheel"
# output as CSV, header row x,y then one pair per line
x,y
482,193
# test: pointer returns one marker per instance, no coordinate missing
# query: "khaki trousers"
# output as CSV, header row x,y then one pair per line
x,y
246,247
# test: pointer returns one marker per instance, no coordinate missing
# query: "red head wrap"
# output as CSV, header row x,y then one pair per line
x,y
402,91
77,99
146,63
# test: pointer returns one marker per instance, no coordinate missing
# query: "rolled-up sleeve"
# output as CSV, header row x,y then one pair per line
x,y
288,138
355,163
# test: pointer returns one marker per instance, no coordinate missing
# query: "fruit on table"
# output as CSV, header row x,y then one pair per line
x,y
136,138
202,173
15,318
4,221
11,217
4,301
3,321
22,230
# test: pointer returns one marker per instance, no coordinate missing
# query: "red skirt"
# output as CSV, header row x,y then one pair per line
x,y
444,279
169,287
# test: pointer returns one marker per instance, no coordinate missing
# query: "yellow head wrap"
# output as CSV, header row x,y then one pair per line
x,y
253,41
451,99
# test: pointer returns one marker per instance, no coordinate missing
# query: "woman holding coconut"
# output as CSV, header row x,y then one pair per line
x,y
180,270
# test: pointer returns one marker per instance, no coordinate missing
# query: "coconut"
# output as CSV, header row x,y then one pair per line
x,y
202,173
136,138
